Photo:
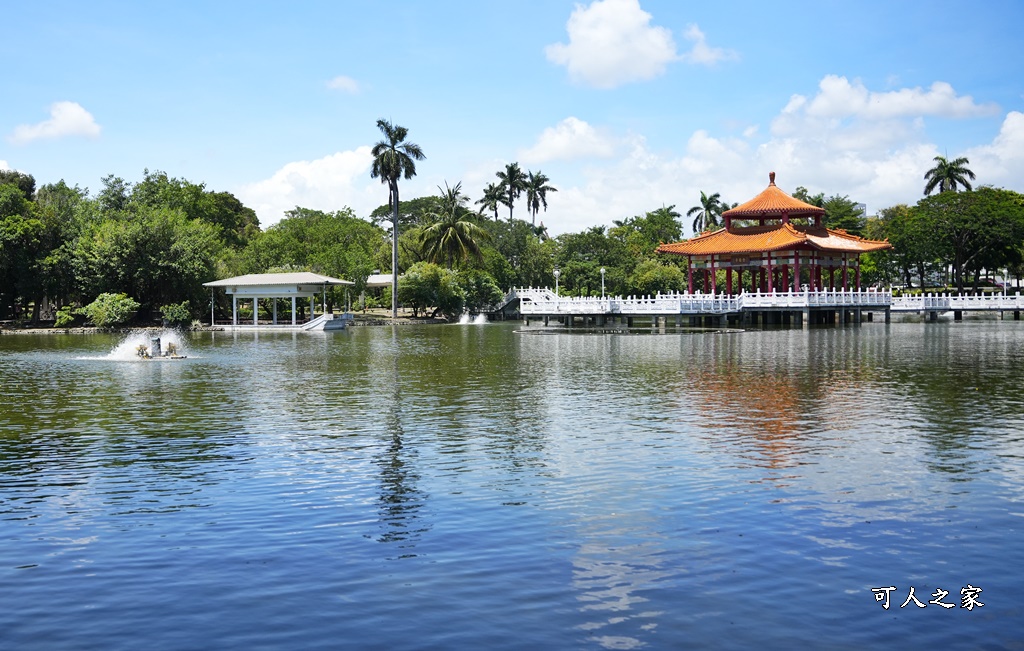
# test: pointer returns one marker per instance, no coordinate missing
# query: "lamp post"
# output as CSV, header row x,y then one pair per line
x,y
556,273
602,283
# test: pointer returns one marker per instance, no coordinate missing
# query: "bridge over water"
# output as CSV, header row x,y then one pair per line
x,y
751,308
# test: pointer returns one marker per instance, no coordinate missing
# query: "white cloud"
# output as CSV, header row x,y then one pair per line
x,y
4,165
571,138
701,52
611,43
874,149
1001,163
839,98
329,183
344,84
66,119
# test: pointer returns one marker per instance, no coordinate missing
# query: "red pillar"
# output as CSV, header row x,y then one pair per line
x,y
771,274
846,267
728,281
714,279
857,275
785,278
796,271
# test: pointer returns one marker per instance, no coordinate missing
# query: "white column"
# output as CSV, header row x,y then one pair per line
x,y
255,310
312,307
212,302
275,309
293,310
234,309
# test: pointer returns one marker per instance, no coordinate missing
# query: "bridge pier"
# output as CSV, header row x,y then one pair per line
x,y
933,315
958,315
1016,315
888,317
545,322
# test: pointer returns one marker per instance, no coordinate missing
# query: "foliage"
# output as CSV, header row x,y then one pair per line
x,y
26,183
65,316
453,235
513,184
426,285
154,253
176,313
706,213
480,289
493,195
653,276
947,175
843,213
337,244
110,310
537,188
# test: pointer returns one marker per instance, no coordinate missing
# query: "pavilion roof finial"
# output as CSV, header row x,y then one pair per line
x,y
771,178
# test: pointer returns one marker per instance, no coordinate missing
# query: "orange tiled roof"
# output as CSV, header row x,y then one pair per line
x,y
773,201
773,237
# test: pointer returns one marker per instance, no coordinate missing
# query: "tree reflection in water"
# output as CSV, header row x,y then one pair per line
x,y
400,499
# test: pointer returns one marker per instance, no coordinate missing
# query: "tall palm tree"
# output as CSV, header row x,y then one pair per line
x,y
493,195
513,182
947,174
707,212
394,158
537,194
452,236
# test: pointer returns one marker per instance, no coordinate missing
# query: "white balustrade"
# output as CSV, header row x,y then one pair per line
x,y
544,301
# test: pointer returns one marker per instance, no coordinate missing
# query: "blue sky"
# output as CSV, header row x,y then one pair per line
x,y
625,105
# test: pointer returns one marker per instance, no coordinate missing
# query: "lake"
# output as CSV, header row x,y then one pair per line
x,y
490,487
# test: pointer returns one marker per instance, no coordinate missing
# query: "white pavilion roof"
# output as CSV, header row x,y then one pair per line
x,y
265,280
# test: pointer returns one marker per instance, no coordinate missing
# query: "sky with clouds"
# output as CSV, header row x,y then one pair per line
x,y
627,105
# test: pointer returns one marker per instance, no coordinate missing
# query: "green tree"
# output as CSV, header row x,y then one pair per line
x,y
947,175
453,236
426,285
801,193
493,195
20,244
110,310
512,183
705,215
973,228
653,276
537,189
843,213
24,182
394,158
480,289
413,212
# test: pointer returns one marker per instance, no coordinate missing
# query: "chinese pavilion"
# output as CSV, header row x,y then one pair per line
x,y
775,251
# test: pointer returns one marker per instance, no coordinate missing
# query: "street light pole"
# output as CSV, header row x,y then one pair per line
x,y
557,273
602,283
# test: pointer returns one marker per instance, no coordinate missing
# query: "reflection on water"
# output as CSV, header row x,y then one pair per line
x,y
470,487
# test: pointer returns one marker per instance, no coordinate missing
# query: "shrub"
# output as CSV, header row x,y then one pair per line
x,y
109,310
176,314
65,317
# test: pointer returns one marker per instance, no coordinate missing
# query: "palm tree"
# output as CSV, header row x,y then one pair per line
x,y
707,212
452,235
947,174
493,195
394,158
513,182
452,199
537,194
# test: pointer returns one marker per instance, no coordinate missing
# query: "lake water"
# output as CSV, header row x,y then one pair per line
x,y
478,487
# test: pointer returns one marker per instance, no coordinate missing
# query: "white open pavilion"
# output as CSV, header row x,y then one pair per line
x,y
253,287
